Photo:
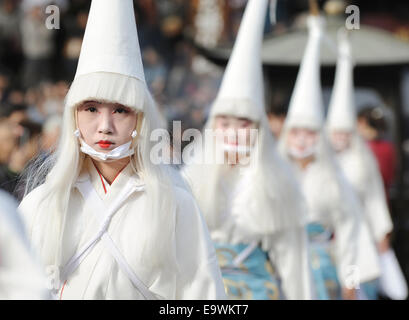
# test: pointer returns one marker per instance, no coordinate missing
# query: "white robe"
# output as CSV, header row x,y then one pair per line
x,y
287,248
20,273
329,204
99,276
371,192
368,186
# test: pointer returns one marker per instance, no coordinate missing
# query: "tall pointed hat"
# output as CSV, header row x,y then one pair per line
x,y
110,64
242,91
341,113
306,104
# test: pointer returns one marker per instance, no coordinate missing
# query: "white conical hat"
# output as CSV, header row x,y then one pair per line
x,y
341,113
110,64
306,104
111,41
242,90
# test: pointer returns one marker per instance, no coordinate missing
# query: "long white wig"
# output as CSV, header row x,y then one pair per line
x,y
271,202
329,196
362,172
61,169
327,188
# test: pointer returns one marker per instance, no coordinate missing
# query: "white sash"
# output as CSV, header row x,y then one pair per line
x,y
234,267
90,196
392,280
243,255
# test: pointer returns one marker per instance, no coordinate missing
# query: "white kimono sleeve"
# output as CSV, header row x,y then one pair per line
x,y
368,259
376,208
346,222
20,273
288,251
199,273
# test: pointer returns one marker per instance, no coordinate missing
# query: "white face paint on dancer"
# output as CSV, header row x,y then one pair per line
x,y
302,143
106,130
340,140
236,133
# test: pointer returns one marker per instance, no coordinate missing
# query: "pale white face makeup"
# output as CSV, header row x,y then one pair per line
x,y
340,140
302,142
105,126
236,131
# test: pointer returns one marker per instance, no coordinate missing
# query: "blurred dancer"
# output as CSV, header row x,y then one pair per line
x,y
360,168
250,201
333,224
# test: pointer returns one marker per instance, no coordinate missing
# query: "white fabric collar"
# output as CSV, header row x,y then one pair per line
x,y
90,172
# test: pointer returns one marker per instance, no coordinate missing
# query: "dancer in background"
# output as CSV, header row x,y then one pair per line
x,y
333,223
361,171
251,202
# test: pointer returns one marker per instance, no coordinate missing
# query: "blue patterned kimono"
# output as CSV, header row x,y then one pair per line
x,y
324,272
253,279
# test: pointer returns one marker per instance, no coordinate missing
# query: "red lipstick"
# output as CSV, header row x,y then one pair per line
x,y
104,144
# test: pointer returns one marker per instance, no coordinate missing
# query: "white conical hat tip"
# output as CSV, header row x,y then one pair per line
x,y
342,114
242,91
306,104
111,41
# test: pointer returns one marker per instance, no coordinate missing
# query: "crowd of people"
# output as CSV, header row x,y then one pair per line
x,y
37,66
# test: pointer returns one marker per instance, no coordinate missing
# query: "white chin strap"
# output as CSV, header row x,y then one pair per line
x,y
233,148
296,154
118,153
339,146
123,151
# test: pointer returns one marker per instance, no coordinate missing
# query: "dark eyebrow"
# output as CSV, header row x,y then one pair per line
x,y
118,105
85,103
244,119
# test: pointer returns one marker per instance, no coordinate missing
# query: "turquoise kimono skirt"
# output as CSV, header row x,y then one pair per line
x,y
326,283
370,289
253,279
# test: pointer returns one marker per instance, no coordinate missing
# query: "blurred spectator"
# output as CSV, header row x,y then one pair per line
x,y
8,138
372,126
45,100
51,133
17,115
4,83
13,115
277,112
38,45
35,110
171,16
208,22
15,96
74,28
234,10
155,70
28,147
53,97
10,44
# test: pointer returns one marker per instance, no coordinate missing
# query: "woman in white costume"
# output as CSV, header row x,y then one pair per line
x,y
360,169
253,208
107,223
333,223
20,274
